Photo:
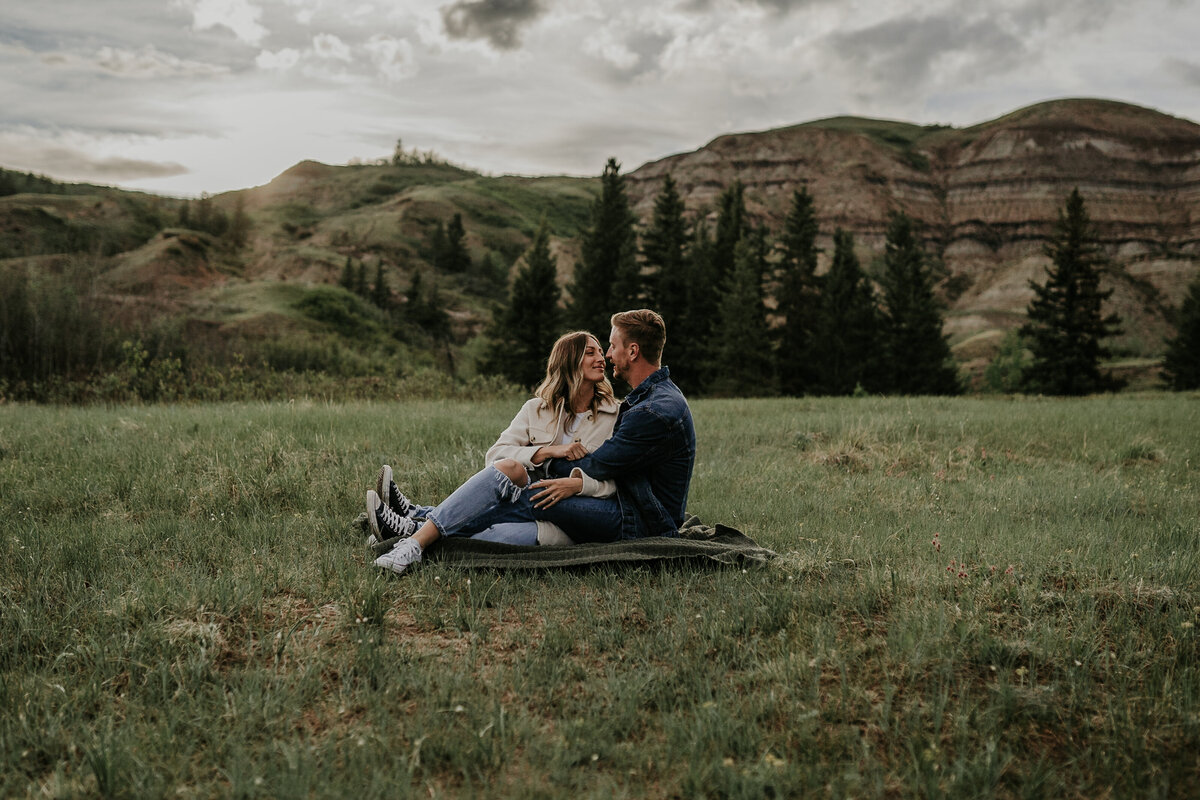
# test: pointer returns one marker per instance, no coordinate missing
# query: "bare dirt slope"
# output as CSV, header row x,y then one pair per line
x,y
987,197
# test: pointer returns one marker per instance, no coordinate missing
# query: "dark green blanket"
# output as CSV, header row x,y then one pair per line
x,y
696,541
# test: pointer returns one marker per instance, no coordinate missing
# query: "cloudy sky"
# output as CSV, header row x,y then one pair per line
x,y
185,96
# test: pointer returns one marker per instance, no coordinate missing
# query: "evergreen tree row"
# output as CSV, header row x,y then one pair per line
x,y
831,334
837,333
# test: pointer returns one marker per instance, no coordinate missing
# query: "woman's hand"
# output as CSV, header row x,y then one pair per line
x,y
571,452
555,489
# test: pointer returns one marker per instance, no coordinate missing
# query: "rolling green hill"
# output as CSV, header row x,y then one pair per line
x,y
173,275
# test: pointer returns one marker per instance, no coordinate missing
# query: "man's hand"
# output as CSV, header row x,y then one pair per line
x,y
570,452
555,489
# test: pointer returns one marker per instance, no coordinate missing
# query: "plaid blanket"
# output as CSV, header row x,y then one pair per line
x,y
696,541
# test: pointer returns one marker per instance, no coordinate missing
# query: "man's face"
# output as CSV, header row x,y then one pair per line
x,y
618,354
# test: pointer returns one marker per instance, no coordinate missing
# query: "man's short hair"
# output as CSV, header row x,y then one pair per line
x,y
645,327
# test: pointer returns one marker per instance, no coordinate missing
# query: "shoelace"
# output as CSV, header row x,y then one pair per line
x,y
397,499
390,519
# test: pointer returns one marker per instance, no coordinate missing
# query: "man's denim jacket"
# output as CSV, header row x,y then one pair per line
x,y
650,456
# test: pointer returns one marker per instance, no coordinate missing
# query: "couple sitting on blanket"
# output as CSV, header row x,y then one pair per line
x,y
573,466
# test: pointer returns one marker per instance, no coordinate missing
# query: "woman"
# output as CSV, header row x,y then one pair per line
x,y
572,412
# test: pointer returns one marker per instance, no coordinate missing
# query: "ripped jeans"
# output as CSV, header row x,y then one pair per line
x,y
490,506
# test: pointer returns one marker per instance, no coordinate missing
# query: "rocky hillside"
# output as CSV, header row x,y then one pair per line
x,y
987,197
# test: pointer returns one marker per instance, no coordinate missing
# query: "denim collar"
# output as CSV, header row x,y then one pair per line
x,y
653,379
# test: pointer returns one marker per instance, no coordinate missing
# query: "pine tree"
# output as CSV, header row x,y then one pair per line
x,y
416,288
664,250
845,344
1003,373
436,253
607,277
1181,366
916,353
732,225
491,276
425,309
203,217
1065,325
379,290
239,224
360,280
455,257
799,297
743,359
525,330
687,337
347,279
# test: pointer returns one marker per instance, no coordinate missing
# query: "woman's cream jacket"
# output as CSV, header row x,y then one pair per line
x,y
536,426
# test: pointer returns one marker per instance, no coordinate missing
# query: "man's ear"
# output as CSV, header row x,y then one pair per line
x,y
635,350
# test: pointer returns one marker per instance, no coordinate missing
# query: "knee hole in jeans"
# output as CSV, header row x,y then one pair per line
x,y
513,470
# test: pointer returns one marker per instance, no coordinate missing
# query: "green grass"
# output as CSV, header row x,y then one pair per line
x,y
185,611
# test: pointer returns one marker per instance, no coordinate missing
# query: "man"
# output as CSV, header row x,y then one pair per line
x,y
650,457
653,447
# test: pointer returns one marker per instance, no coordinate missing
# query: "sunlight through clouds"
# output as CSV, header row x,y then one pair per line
x,y
240,17
393,57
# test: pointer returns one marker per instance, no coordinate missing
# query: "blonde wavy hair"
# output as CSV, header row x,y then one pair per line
x,y
564,374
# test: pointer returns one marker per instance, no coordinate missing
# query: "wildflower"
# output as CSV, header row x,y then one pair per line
x,y
1187,626
1009,571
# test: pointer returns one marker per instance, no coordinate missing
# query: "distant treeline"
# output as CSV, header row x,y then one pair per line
x,y
747,312
711,274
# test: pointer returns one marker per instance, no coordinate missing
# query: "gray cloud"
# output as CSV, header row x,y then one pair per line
x,y
497,21
643,51
68,163
1188,71
900,54
82,27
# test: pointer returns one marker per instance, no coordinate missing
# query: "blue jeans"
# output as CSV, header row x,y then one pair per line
x,y
490,506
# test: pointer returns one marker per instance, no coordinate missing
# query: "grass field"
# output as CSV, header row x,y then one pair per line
x,y
973,598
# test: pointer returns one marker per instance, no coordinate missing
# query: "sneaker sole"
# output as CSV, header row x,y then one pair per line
x,y
373,503
382,481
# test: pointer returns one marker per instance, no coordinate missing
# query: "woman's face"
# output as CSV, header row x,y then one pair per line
x,y
593,361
